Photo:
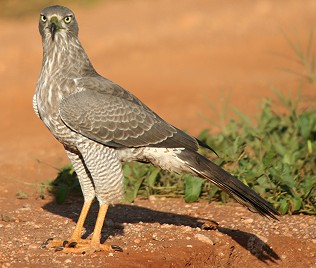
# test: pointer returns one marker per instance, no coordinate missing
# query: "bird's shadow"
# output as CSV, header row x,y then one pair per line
x,y
124,213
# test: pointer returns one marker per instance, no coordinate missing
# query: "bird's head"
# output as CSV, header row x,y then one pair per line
x,y
56,21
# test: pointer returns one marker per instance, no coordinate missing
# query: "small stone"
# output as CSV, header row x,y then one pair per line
x,y
219,234
248,221
6,218
204,239
68,261
152,198
137,241
209,225
186,229
189,246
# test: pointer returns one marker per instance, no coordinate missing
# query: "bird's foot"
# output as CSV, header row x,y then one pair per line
x,y
83,246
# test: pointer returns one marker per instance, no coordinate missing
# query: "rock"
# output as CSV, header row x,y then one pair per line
x,y
186,229
204,239
152,198
248,221
137,241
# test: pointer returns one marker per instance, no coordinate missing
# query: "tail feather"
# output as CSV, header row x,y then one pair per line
x,y
205,168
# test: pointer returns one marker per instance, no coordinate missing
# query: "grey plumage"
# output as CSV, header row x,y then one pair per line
x,y
100,124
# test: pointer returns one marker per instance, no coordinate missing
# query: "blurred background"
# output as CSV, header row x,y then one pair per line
x,y
187,60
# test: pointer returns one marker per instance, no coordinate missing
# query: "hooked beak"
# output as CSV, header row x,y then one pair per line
x,y
53,28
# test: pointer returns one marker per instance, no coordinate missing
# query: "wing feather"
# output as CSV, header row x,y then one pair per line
x,y
108,114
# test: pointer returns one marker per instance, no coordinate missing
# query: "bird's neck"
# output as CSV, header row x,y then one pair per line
x,y
66,58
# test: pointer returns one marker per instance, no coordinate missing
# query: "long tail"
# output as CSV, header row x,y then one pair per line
x,y
204,168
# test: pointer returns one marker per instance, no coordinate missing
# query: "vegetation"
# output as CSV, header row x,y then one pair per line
x,y
305,58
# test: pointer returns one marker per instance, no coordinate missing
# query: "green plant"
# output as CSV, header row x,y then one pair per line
x,y
276,156
65,182
304,57
21,195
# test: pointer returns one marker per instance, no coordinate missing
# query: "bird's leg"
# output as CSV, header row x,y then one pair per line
x,y
76,235
91,178
95,240
94,244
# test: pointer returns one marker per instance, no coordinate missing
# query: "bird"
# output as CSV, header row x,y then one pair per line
x,y
101,125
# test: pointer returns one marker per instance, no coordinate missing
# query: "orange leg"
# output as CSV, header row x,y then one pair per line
x,y
77,245
76,235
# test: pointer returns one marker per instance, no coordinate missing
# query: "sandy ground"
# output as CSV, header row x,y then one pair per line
x,y
184,60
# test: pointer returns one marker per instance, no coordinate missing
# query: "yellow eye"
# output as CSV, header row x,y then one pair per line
x,y
43,18
67,19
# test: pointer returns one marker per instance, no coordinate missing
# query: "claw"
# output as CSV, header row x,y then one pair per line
x,y
72,244
47,241
59,248
81,246
116,248
44,244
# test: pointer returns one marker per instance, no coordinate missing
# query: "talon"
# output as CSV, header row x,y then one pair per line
x,y
59,248
65,243
44,244
72,244
116,248
47,241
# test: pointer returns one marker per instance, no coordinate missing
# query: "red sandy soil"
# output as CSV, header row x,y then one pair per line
x,y
184,60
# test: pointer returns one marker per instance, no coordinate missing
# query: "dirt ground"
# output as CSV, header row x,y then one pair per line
x,y
184,60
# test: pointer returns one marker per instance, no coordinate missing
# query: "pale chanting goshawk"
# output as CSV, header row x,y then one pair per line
x,y
100,124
